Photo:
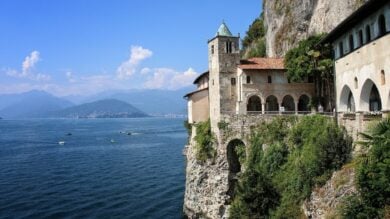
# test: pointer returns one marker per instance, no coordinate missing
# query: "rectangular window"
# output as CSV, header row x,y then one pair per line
x,y
269,79
341,49
351,43
233,81
360,37
212,49
248,79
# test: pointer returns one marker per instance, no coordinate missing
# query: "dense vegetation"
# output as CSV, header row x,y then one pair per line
x,y
310,59
254,41
287,158
373,177
204,139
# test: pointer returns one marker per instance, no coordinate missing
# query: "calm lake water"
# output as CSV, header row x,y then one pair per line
x,y
98,173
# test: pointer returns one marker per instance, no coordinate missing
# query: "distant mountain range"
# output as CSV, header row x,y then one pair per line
x,y
38,104
108,108
153,102
33,104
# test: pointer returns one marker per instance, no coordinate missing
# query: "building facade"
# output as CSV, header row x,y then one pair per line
x,y
361,46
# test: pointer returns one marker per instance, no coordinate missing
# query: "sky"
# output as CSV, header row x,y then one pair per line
x,y
83,47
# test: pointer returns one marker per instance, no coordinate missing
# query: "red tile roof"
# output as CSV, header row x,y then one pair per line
x,y
262,64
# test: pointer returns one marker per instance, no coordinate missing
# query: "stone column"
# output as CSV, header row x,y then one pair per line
x,y
279,105
296,107
263,108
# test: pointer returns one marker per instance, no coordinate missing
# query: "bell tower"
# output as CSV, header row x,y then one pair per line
x,y
224,57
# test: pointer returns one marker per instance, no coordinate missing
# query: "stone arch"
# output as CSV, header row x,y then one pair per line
x,y
234,164
253,104
272,104
288,103
370,99
347,101
303,103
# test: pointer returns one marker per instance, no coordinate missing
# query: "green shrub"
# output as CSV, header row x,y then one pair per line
x,y
299,155
223,125
204,142
241,153
255,196
188,127
373,176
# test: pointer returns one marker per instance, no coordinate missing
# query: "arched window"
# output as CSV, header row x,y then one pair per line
x,y
383,77
341,49
303,104
272,104
356,83
347,101
254,104
381,25
234,164
288,104
360,38
368,34
375,100
370,99
351,103
351,43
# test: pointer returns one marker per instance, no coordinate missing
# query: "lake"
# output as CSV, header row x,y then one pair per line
x,y
99,172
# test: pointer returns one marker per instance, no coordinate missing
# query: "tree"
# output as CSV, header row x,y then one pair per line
x,y
254,41
310,59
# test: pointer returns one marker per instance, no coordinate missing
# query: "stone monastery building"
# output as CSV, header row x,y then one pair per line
x,y
361,45
239,87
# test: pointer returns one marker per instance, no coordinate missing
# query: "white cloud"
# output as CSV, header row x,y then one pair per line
x,y
42,77
184,79
70,77
145,71
29,62
27,66
166,78
128,68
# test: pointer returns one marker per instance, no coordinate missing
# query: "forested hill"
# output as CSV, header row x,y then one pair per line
x,y
108,108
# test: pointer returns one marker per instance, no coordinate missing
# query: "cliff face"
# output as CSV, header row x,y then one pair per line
x,y
206,187
289,21
324,201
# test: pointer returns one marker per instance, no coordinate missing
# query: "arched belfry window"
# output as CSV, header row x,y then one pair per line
x,y
381,25
368,33
229,47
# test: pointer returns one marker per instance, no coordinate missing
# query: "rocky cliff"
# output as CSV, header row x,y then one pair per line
x,y
289,21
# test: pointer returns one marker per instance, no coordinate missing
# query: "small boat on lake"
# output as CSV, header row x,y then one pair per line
x,y
61,142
